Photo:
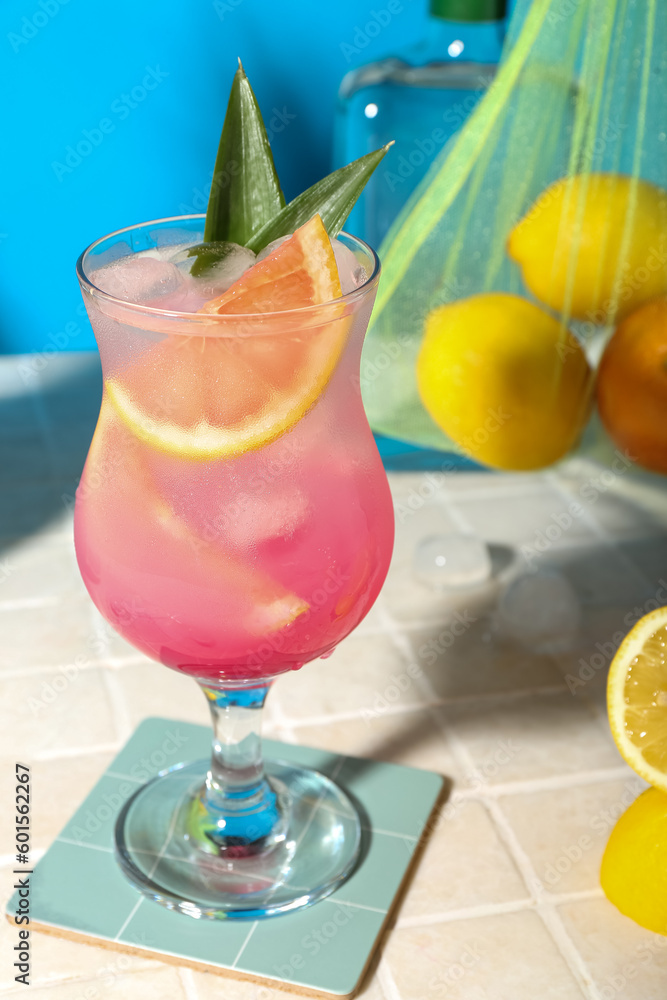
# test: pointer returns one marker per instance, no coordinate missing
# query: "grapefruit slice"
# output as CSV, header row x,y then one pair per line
x,y
218,396
300,272
124,514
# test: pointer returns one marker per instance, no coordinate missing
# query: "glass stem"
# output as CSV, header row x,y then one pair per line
x,y
239,811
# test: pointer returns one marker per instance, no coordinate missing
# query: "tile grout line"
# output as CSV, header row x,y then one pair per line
x,y
119,710
501,697
30,604
497,909
455,514
69,752
188,983
129,917
114,698
78,843
552,922
245,942
387,981
468,913
545,908
600,531
46,431
565,945
556,782
156,862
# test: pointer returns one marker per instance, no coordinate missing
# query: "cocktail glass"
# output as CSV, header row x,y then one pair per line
x,y
233,521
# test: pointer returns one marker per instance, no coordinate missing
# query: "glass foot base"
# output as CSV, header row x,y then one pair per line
x,y
317,847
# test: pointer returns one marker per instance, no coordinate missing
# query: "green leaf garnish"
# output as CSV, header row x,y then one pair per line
x,y
245,191
333,198
208,254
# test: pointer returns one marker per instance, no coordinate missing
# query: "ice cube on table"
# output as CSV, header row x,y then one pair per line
x,y
138,278
449,561
541,611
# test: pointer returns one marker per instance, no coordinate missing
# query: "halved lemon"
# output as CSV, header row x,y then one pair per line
x,y
637,698
633,874
209,397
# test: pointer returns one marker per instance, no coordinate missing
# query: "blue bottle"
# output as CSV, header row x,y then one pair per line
x,y
420,98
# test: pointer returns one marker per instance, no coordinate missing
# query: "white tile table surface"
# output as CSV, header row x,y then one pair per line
x,y
505,903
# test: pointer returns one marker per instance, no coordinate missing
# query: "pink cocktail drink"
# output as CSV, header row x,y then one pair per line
x,y
250,554
233,521
238,567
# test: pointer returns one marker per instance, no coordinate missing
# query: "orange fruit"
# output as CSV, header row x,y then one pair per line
x,y
242,386
632,385
300,272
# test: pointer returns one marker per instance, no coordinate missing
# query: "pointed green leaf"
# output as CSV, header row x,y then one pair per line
x,y
333,198
245,191
208,254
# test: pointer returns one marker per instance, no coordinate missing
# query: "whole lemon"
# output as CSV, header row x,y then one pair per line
x,y
634,865
585,217
632,385
504,379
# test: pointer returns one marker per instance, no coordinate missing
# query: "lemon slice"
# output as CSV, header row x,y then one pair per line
x,y
218,396
637,698
127,513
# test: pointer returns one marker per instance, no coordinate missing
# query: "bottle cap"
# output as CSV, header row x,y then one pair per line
x,y
469,10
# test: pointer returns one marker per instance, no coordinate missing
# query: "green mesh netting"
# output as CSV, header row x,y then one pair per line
x,y
582,89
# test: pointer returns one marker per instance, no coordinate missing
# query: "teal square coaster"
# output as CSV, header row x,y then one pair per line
x,y
79,890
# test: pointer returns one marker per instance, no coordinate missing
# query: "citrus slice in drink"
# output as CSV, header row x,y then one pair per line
x,y
245,382
300,272
637,698
126,515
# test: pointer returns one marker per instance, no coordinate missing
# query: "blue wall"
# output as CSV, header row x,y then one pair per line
x,y
140,88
